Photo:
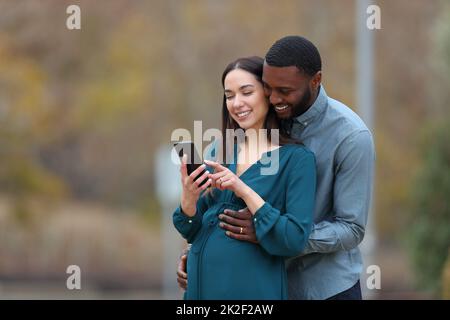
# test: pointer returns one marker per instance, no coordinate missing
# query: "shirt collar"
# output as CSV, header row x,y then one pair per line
x,y
317,108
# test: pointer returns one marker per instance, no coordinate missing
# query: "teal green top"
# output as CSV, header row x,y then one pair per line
x,y
220,267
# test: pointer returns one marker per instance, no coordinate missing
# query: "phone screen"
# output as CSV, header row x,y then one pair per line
x,y
193,159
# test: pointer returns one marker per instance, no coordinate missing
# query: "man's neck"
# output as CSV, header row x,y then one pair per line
x,y
313,99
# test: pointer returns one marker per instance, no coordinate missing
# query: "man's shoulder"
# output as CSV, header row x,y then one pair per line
x,y
349,121
350,131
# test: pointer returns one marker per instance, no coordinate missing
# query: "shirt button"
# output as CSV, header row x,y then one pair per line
x,y
305,123
254,219
190,221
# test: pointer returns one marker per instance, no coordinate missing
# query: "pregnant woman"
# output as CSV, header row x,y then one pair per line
x,y
281,202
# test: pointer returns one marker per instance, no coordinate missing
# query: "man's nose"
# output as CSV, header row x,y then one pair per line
x,y
274,98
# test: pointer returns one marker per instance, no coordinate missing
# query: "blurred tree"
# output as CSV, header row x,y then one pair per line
x,y
446,278
403,77
430,227
429,231
24,122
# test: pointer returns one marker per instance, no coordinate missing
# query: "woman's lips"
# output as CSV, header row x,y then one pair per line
x,y
242,115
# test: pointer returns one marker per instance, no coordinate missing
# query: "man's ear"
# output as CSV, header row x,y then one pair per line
x,y
316,80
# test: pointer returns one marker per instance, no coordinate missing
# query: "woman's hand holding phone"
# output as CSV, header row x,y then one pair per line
x,y
191,188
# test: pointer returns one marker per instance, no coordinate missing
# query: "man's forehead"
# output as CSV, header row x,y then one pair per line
x,y
289,73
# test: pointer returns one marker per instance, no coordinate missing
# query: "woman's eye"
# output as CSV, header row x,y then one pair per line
x,y
228,97
247,93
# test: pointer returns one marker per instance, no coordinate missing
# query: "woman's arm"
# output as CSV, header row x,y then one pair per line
x,y
188,226
285,234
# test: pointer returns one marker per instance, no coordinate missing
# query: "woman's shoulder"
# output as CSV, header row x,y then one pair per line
x,y
298,149
299,153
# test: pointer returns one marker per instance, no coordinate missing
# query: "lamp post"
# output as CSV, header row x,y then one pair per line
x,y
365,103
168,189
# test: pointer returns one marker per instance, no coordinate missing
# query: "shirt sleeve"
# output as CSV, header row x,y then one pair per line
x,y
285,233
188,226
353,185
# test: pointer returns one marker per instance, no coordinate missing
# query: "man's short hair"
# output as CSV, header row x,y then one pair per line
x,y
295,51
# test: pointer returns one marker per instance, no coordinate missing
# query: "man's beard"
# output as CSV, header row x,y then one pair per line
x,y
302,105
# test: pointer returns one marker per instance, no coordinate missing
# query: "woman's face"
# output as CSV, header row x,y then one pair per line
x,y
245,99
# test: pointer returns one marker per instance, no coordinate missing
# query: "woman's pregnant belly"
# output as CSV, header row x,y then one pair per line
x,y
233,269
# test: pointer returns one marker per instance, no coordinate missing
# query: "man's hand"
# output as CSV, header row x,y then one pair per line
x,y
239,225
181,271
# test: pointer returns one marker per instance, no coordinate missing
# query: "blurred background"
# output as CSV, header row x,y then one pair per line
x,y
83,114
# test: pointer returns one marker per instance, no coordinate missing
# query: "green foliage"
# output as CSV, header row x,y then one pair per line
x,y
429,234
118,86
392,184
446,279
22,177
24,122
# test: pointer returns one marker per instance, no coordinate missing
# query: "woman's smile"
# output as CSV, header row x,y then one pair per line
x,y
242,115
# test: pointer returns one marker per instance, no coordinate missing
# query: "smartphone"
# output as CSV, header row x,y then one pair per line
x,y
193,158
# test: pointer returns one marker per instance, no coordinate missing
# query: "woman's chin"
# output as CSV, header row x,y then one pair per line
x,y
242,123
245,125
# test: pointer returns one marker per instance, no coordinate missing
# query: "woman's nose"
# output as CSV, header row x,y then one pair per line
x,y
237,102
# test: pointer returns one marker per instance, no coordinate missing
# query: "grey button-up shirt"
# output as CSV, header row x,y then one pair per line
x,y
345,156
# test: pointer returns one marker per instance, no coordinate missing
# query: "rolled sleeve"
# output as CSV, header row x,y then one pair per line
x,y
187,226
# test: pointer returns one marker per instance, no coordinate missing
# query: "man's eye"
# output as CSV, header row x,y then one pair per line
x,y
285,91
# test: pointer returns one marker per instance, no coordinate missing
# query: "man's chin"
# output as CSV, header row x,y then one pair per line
x,y
284,114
